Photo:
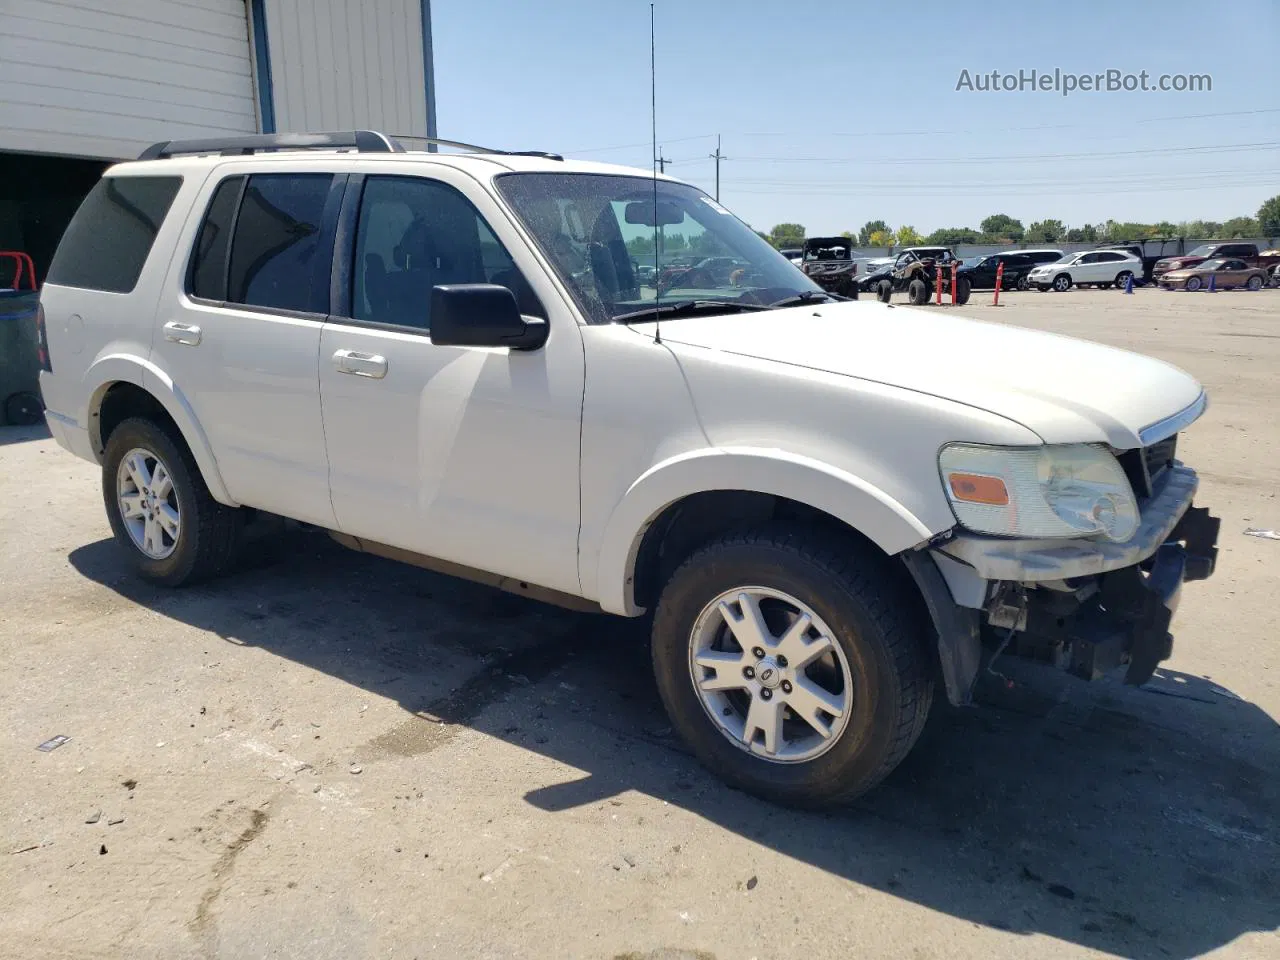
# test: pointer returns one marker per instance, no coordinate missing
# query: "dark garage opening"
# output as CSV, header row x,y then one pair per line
x,y
38,195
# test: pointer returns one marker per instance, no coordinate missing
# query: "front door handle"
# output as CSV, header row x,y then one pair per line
x,y
182,333
360,364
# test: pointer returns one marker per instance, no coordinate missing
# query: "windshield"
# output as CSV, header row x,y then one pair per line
x,y
1066,258
1203,250
974,261
592,228
1212,264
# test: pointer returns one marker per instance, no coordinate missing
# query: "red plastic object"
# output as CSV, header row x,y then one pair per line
x,y
995,300
23,261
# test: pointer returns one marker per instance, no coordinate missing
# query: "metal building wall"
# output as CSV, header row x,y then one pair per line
x,y
105,78
346,64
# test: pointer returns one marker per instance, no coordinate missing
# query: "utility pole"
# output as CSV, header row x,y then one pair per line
x,y
717,157
662,161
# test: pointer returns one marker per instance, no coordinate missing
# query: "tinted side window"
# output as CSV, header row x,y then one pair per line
x,y
209,260
109,238
274,253
413,234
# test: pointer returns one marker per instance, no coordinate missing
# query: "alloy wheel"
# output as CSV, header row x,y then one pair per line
x,y
770,674
148,503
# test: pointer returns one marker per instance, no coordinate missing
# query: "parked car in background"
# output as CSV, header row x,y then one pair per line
x,y
1225,273
794,254
828,262
1248,252
1098,268
873,271
981,271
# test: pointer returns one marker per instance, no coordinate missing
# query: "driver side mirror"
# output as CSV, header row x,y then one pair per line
x,y
482,315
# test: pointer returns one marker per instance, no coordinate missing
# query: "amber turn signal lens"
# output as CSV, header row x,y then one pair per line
x,y
975,488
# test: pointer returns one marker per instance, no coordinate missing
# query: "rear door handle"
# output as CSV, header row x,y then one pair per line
x,y
360,364
182,333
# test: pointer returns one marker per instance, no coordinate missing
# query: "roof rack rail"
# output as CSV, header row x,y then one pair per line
x,y
478,149
363,141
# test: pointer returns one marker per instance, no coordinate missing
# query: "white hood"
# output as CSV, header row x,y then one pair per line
x,y
1063,389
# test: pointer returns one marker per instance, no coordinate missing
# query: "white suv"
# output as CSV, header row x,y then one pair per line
x,y
829,507
1101,268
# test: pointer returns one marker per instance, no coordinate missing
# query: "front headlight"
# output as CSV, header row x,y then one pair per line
x,y
1055,491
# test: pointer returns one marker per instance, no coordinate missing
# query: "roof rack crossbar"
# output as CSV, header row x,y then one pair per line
x,y
363,141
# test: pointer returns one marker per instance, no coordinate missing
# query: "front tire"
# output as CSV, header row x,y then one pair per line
x,y
918,292
963,289
884,291
792,665
1193,284
160,510
1062,283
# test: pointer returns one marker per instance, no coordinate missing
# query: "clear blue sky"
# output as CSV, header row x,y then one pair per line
x,y
835,120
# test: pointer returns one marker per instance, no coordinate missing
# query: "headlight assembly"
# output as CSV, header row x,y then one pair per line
x,y
1074,490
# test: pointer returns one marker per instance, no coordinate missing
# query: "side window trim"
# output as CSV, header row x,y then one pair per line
x,y
342,271
231,236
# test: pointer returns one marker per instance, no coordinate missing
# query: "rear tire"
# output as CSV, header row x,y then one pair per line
x,y
918,292
1123,278
1023,283
23,409
1255,283
878,651
207,536
963,289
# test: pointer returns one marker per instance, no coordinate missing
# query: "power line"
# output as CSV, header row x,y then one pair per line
x,y
1095,155
631,146
1044,126
996,190
1140,178
939,131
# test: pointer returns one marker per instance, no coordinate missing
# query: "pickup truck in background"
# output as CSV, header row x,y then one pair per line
x,y
1248,252
1150,251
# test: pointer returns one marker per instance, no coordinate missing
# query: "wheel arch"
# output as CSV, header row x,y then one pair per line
x,y
735,486
127,386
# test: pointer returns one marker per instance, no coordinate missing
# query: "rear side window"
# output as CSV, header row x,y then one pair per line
x,y
275,250
109,238
209,260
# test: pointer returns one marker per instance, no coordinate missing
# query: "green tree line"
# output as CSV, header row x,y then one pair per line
x,y
1002,228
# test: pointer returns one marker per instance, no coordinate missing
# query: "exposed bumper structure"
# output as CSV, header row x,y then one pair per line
x,y
1085,606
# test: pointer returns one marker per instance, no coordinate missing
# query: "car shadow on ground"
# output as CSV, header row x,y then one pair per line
x,y
21,434
1140,822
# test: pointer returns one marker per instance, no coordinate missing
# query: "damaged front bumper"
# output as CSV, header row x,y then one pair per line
x,y
1085,606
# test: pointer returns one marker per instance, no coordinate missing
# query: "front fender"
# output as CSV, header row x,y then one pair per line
x,y
870,511
112,368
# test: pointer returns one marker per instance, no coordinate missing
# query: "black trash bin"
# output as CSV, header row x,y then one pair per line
x,y
20,402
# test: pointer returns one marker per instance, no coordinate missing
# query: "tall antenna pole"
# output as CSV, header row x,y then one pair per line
x,y
662,162
717,157
653,117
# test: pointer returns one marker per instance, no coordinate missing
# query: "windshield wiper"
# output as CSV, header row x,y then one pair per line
x,y
805,297
678,307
